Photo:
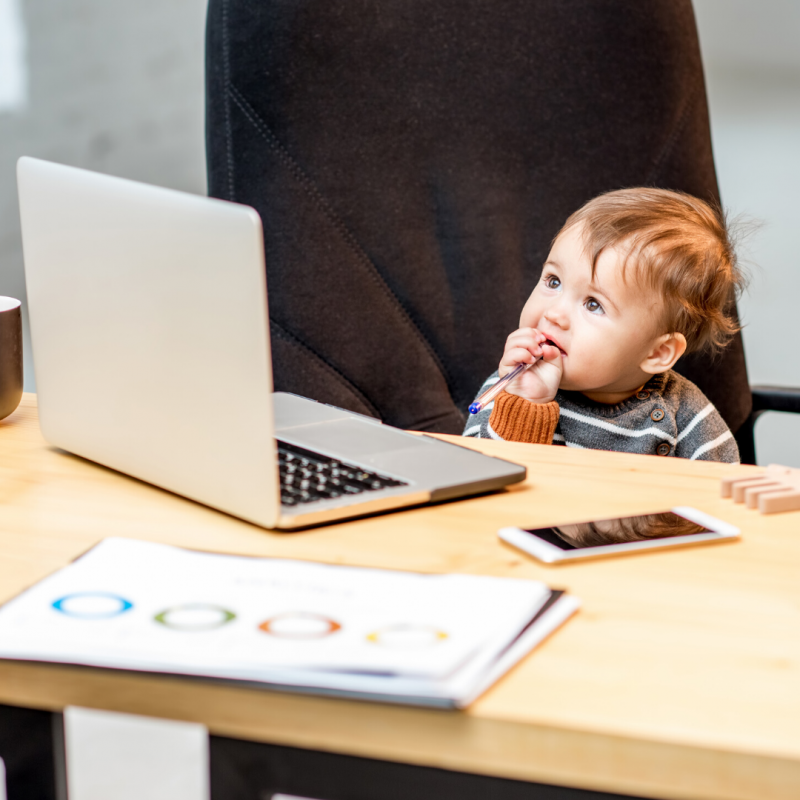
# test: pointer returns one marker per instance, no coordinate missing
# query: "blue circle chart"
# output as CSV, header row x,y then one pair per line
x,y
92,605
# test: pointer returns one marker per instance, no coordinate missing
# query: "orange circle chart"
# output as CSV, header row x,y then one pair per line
x,y
407,636
299,625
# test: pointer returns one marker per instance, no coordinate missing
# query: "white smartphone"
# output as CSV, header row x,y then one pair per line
x,y
678,527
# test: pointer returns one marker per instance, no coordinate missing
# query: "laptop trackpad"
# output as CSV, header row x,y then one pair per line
x,y
351,438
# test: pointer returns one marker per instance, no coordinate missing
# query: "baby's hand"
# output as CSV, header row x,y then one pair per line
x,y
538,384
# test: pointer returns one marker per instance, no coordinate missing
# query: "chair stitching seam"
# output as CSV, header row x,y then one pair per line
x,y
288,336
227,82
673,137
343,230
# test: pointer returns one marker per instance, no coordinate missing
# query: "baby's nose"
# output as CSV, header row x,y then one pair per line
x,y
557,314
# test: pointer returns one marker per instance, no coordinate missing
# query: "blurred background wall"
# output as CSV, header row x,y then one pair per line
x,y
752,64
109,85
118,87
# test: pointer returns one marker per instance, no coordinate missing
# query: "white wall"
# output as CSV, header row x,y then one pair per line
x,y
110,85
752,62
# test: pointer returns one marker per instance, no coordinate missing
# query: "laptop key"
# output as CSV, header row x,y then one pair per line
x,y
308,476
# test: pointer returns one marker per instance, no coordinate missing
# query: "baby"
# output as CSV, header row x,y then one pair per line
x,y
634,279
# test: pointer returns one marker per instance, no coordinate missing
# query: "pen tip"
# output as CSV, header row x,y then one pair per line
x,y
474,408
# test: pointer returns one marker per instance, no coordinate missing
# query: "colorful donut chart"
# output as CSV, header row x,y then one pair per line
x,y
194,617
92,605
407,637
299,625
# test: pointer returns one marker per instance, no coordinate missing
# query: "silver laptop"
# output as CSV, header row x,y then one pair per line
x,y
148,314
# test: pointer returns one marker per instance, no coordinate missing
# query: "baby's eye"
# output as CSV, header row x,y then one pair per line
x,y
593,306
551,281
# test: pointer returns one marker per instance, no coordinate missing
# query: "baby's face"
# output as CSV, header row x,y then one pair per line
x,y
604,327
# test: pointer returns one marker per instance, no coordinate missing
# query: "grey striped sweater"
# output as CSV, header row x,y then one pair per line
x,y
670,416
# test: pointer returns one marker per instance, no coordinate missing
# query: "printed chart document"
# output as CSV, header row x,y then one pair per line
x,y
295,625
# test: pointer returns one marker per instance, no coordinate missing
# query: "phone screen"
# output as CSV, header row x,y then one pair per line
x,y
645,527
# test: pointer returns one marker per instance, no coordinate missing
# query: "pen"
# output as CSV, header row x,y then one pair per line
x,y
493,391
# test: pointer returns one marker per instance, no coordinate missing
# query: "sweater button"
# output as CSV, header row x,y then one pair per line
x,y
663,449
643,395
657,414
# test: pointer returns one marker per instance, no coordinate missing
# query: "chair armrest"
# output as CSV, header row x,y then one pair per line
x,y
775,398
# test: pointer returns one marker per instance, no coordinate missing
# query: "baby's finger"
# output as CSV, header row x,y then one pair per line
x,y
551,354
523,338
514,356
524,352
526,342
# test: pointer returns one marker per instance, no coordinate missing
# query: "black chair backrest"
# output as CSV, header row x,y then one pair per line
x,y
412,160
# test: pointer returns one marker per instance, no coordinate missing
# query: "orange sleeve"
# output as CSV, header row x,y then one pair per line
x,y
516,419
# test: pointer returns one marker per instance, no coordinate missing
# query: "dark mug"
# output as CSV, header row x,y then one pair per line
x,y
10,355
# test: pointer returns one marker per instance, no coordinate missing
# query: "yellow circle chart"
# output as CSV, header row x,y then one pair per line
x,y
407,637
299,625
194,617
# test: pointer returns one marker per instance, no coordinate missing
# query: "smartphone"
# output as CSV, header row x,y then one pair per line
x,y
677,527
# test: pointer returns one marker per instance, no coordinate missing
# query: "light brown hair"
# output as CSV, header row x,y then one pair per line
x,y
628,529
680,248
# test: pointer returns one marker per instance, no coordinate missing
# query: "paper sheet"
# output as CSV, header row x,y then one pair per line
x,y
153,607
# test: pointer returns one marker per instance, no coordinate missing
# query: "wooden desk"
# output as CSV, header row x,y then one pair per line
x,y
679,678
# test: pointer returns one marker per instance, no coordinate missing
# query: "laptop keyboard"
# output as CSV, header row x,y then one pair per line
x,y
308,476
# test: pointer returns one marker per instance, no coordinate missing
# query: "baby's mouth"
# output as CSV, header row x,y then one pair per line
x,y
555,344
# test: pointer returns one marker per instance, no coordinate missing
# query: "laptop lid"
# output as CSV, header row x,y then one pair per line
x,y
149,325
150,337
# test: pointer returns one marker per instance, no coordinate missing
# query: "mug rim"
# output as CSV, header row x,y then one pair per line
x,y
9,303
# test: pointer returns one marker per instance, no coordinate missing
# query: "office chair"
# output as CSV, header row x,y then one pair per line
x,y
412,160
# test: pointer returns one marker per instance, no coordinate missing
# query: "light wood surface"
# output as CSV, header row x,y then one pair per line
x,y
679,678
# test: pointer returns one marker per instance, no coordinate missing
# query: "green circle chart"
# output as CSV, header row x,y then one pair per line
x,y
194,617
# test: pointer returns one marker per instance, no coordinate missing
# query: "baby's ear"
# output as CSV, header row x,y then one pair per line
x,y
665,351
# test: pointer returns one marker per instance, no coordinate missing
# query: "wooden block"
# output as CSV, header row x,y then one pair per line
x,y
779,501
775,489
726,485
751,494
739,487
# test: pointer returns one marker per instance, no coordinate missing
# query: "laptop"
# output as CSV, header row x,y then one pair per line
x,y
150,332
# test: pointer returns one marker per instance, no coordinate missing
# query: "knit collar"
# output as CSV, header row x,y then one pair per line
x,y
654,388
